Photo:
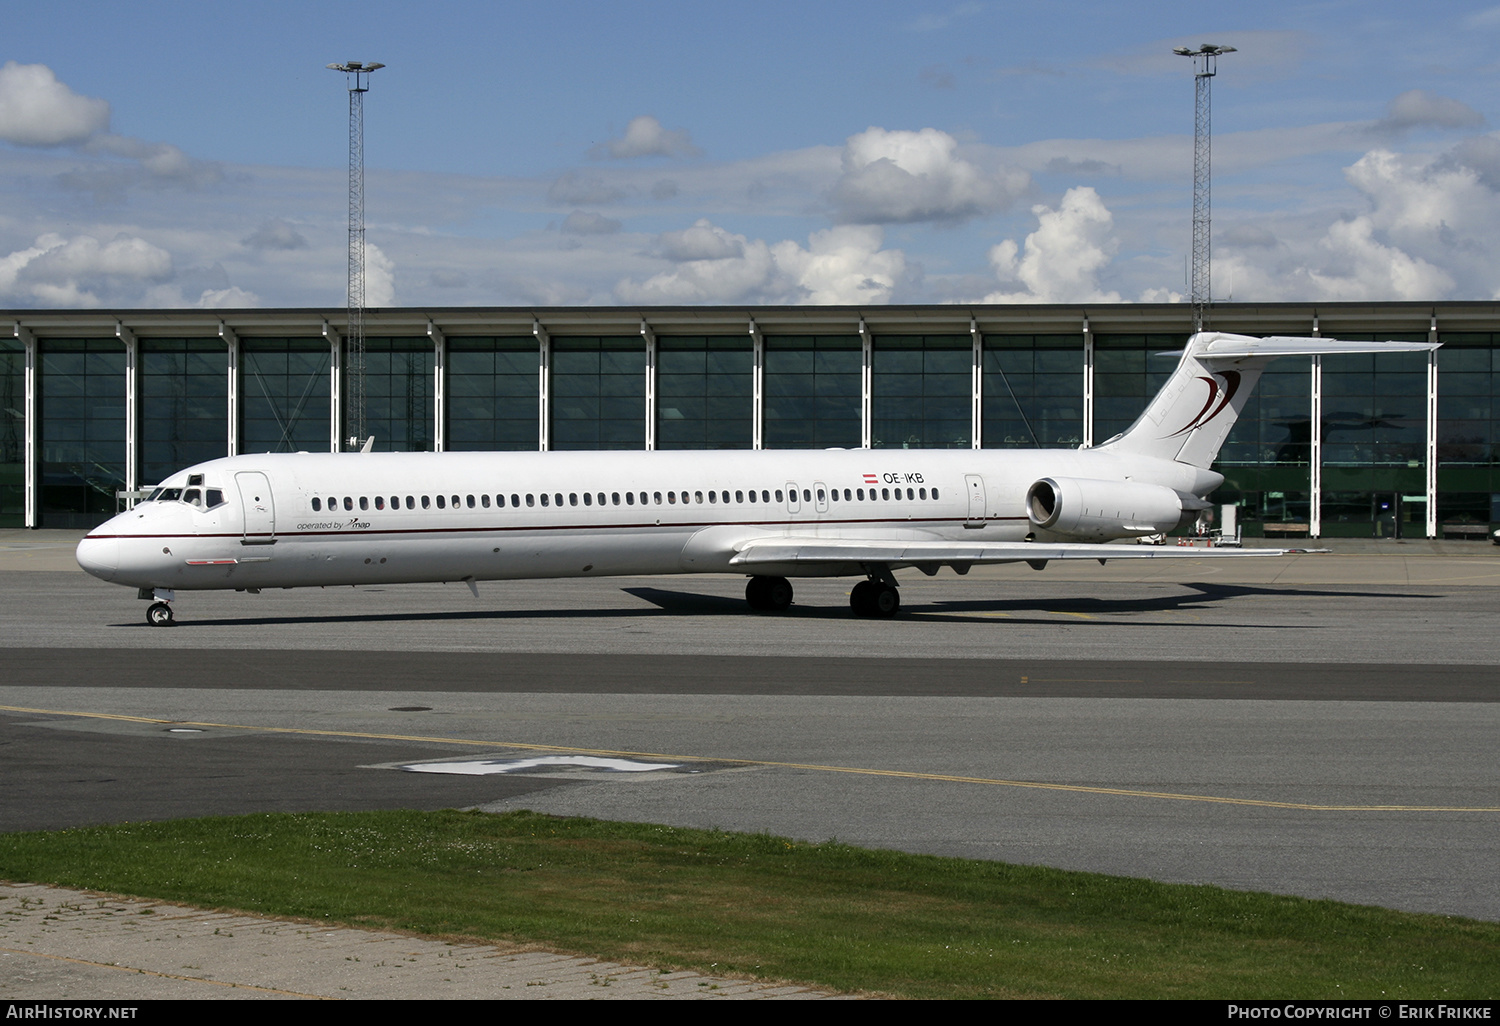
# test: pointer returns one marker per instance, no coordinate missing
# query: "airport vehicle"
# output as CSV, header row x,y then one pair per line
x,y
290,520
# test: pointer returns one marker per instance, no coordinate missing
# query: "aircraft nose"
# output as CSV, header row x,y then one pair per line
x,y
100,557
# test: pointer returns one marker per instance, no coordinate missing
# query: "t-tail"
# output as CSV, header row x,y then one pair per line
x,y
1195,410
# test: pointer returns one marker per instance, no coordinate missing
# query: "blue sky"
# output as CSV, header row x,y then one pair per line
x,y
173,154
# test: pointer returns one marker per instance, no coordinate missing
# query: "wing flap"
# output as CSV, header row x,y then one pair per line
x,y
855,550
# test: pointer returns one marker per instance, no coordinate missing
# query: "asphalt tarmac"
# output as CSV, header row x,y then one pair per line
x,y
1320,725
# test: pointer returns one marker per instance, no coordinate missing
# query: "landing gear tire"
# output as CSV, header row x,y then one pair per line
x,y
159,615
874,599
769,594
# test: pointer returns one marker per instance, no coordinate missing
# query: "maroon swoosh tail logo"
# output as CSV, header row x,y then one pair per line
x,y
1231,386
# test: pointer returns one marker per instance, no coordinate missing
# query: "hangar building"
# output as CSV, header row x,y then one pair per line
x,y
100,403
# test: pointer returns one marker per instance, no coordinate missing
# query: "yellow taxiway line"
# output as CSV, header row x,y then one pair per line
x,y
816,767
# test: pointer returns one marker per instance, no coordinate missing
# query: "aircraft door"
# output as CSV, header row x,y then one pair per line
x,y
258,507
793,503
976,500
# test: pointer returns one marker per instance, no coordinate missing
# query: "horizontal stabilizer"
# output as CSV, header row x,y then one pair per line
x,y
808,551
1238,347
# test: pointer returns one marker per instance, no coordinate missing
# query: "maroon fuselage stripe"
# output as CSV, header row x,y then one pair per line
x,y
556,527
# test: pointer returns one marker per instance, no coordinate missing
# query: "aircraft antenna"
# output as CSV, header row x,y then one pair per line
x,y
357,75
1205,66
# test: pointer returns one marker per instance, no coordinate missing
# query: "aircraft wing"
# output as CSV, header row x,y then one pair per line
x,y
760,551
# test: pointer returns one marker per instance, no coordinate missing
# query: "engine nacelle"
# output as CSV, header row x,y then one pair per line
x,y
1084,508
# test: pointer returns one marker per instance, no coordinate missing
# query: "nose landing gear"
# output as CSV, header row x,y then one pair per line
x,y
159,614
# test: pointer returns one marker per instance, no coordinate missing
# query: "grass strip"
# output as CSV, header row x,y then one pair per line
x,y
750,904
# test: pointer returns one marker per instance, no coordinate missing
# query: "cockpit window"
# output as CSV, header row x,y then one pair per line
x,y
193,497
214,497
166,495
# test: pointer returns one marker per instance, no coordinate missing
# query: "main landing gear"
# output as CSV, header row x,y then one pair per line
x,y
875,599
159,614
769,594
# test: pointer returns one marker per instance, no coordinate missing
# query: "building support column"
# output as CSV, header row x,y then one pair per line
x,y
976,389
335,390
439,387
1088,386
1432,432
232,346
132,410
757,387
1315,453
649,337
544,385
866,386
29,454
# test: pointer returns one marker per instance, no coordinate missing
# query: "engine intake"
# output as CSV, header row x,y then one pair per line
x,y
1084,508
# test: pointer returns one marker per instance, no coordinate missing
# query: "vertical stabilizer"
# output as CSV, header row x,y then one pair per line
x,y
1197,407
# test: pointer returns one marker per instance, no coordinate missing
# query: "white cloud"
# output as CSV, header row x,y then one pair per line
x,y
573,188
703,241
900,177
1361,268
227,299
581,222
275,234
38,110
1060,261
81,271
1430,230
843,265
380,277
645,137
1418,108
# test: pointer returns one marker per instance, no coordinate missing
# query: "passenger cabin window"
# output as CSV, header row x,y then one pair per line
x,y
317,504
441,502
544,498
348,503
484,500
364,502
469,501
426,502
380,502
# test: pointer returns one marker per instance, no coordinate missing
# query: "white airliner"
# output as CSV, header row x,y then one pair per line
x,y
294,520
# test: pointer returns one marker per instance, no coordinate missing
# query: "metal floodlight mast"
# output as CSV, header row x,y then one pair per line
x,y
357,74
1205,65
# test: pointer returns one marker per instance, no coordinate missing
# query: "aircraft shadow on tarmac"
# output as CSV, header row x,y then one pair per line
x,y
1199,596
1032,609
